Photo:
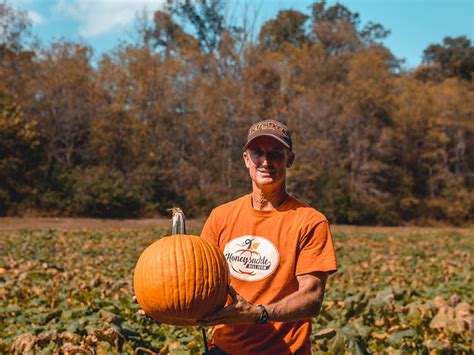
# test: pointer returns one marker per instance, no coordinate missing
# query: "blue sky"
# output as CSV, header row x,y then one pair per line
x,y
414,24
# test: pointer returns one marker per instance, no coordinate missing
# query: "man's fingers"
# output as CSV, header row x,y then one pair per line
x,y
142,312
232,291
220,316
202,323
213,317
233,294
209,321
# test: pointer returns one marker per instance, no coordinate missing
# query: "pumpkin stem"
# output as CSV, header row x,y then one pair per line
x,y
178,220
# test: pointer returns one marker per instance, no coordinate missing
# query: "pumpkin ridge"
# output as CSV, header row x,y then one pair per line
x,y
177,305
168,277
147,304
187,268
206,274
205,283
212,290
198,285
224,273
179,271
162,257
184,244
217,276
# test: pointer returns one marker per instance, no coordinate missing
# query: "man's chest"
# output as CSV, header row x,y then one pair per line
x,y
255,250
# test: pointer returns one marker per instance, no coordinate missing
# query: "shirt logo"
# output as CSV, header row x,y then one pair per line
x,y
251,258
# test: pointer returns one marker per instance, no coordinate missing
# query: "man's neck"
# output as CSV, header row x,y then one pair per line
x,y
268,199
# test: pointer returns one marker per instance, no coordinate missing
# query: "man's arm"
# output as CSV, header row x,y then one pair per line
x,y
305,303
302,304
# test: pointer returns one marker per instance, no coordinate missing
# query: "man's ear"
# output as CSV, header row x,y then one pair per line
x,y
246,157
290,160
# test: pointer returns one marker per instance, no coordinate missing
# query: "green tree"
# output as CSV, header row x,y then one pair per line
x,y
286,28
63,100
337,29
206,17
16,59
19,144
166,36
453,58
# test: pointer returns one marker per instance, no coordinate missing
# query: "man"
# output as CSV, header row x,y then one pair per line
x,y
279,251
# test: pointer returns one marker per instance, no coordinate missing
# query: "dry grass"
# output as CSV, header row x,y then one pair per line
x,y
89,224
111,225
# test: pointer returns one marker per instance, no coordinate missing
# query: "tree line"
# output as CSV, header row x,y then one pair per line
x,y
160,122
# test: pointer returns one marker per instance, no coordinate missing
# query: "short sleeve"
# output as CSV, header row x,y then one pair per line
x,y
316,251
209,231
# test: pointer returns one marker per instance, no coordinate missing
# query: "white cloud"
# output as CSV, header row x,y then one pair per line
x,y
35,17
23,3
98,17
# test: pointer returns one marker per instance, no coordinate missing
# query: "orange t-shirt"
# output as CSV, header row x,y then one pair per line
x,y
265,251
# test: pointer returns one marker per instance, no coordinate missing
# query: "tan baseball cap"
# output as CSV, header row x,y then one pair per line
x,y
270,128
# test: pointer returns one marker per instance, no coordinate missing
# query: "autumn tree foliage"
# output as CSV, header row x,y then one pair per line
x,y
454,58
161,122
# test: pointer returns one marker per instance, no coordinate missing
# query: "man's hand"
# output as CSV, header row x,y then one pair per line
x,y
305,303
238,312
141,312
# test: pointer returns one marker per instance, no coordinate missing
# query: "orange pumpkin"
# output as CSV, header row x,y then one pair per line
x,y
180,279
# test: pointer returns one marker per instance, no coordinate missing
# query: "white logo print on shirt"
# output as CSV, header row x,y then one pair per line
x,y
251,258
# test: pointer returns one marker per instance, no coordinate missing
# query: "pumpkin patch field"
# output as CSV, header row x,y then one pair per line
x,y
397,290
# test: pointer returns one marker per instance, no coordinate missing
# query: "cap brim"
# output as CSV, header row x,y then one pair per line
x,y
269,135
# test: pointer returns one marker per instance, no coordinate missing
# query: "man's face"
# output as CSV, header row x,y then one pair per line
x,y
267,160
